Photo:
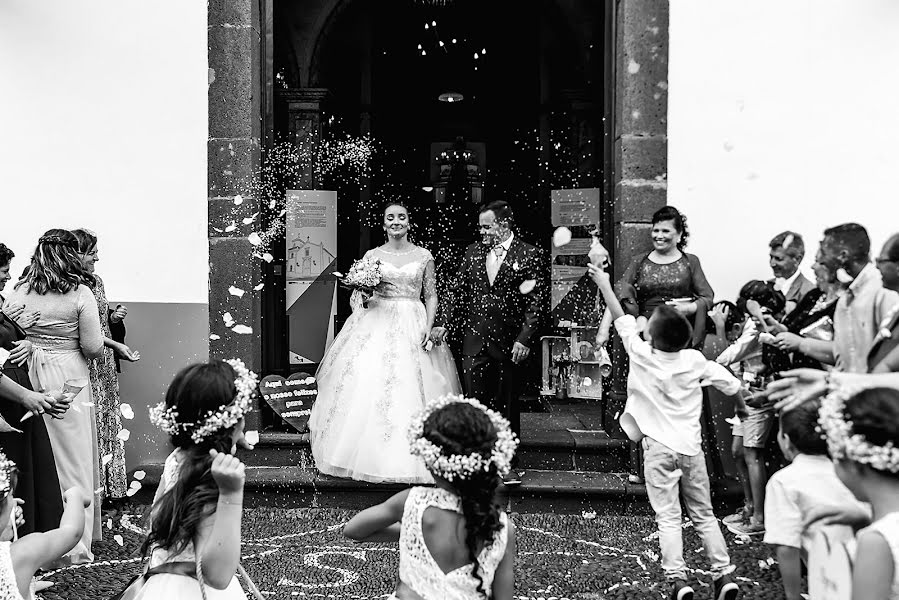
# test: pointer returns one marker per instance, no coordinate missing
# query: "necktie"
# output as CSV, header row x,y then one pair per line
x,y
493,262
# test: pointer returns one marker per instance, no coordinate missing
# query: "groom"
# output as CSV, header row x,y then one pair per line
x,y
495,299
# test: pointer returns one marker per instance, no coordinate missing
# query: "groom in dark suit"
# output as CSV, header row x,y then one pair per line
x,y
495,304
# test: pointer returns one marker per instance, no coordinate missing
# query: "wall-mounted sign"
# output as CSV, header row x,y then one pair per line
x,y
311,234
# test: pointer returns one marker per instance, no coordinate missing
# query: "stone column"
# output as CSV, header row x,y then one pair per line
x,y
233,149
641,142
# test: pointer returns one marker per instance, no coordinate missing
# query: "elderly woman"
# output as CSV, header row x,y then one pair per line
x,y
65,337
29,446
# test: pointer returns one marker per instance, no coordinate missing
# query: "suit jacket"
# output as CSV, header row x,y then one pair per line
x,y
493,318
798,289
884,354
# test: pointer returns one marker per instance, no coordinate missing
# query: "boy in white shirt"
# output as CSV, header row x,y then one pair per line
x,y
663,412
809,484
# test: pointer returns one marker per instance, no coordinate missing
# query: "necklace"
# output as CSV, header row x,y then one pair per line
x,y
386,251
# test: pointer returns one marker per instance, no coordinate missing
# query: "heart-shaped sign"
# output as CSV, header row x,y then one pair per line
x,y
290,398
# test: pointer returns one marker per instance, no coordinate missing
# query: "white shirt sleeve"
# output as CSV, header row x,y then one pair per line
x,y
783,517
720,378
626,326
745,345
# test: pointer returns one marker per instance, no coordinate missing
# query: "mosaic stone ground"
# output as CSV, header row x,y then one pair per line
x,y
299,553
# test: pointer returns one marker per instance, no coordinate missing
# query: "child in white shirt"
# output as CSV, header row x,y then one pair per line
x,y
809,483
663,412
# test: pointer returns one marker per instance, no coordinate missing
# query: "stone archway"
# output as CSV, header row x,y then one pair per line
x,y
635,134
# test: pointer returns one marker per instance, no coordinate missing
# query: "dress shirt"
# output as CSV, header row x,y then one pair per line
x,y
859,313
494,261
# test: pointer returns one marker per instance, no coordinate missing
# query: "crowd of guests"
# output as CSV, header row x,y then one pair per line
x,y
60,418
812,371
811,367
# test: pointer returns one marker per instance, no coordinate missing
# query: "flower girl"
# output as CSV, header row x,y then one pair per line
x,y
863,438
20,559
194,539
455,543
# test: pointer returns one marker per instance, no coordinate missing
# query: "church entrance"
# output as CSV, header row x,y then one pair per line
x,y
440,106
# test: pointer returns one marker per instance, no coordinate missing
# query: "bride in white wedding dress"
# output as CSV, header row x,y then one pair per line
x,y
381,369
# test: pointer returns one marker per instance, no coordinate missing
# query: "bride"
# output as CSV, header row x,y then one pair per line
x,y
382,369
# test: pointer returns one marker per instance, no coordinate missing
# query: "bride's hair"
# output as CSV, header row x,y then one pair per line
x,y
461,429
194,392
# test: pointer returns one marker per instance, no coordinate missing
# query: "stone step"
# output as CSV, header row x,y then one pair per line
x,y
559,441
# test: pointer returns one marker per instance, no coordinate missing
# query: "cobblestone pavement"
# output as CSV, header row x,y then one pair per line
x,y
299,553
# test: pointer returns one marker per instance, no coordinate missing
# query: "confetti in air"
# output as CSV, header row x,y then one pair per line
x,y
242,329
236,291
119,540
107,458
527,286
252,437
127,411
561,236
139,475
123,435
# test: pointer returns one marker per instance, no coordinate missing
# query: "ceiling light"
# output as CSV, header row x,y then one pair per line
x,y
451,97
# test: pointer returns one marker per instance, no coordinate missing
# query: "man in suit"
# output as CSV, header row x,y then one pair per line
x,y
786,251
495,301
884,354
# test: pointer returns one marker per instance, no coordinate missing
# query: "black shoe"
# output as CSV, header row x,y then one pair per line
x,y
725,588
680,591
513,478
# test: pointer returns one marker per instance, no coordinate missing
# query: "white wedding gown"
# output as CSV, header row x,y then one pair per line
x,y
376,376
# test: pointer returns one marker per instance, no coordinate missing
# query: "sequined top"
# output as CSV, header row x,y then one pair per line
x,y
420,571
647,284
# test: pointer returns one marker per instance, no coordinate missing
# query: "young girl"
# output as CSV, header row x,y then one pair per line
x,y
455,543
863,438
194,539
20,560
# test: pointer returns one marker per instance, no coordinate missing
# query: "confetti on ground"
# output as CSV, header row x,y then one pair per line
x,y
301,553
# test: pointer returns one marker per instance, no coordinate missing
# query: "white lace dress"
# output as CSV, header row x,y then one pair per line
x,y
418,569
166,586
888,527
9,589
376,376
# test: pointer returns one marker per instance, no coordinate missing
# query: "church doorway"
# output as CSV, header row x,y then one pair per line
x,y
449,104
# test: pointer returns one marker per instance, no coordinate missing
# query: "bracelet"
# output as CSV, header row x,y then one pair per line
x,y
230,503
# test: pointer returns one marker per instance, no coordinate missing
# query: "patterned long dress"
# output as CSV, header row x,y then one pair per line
x,y
105,386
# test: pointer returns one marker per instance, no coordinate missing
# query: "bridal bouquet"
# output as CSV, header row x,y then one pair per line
x,y
364,275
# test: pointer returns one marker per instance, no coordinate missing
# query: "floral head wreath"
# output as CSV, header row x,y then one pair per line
x,y
6,467
457,466
223,417
843,443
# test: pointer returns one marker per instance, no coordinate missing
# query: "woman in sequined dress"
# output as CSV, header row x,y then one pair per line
x,y
104,379
382,368
668,275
